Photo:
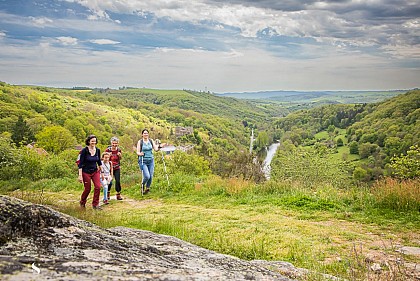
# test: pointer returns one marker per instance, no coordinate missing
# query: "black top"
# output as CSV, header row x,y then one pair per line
x,y
89,163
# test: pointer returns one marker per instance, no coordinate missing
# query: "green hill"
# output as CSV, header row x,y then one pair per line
x,y
375,132
221,125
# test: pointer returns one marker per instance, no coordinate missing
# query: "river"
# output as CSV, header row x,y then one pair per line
x,y
271,151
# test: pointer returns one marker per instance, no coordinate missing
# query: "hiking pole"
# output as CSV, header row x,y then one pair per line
x,y
142,176
164,167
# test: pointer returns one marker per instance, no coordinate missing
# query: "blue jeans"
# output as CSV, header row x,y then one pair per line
x,y
105,187
148,168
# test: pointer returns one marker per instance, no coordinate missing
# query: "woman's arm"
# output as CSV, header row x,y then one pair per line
x,y
99,162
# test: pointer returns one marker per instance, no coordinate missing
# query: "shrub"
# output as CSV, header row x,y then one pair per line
x,y
407,166
354,147
55,167
187,163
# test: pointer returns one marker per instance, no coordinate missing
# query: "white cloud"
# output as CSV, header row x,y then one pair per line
x,y
342,23
236,70
41,21
104,42
333,45
67,40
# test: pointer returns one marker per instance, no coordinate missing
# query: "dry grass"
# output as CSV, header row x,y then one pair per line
x,y
400,195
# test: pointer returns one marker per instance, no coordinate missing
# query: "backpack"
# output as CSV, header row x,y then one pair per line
x,y
78,157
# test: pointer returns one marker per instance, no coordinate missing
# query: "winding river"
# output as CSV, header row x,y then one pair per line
x,y
271,151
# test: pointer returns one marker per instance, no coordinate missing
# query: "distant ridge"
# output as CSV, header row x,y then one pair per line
x,y
317,96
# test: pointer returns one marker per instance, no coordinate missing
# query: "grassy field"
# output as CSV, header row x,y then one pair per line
x,y
332,231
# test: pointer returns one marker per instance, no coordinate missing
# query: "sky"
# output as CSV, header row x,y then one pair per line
x,y
212,45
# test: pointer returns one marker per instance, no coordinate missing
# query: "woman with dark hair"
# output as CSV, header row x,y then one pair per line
x,y
145,147
90,171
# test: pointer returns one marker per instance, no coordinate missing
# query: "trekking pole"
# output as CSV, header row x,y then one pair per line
x,y
164,167
142,185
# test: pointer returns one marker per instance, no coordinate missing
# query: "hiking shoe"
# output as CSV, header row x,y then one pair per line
x,y
119,196
106,202
98,208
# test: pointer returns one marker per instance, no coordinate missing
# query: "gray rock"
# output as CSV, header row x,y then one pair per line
x,y
39,243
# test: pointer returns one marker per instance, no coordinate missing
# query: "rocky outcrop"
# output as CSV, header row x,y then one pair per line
x,y
39,243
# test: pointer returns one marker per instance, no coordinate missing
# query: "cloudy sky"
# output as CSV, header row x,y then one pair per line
x,y
212,45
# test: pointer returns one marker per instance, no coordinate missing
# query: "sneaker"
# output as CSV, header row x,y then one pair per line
x,y
106,202
119,196
98,208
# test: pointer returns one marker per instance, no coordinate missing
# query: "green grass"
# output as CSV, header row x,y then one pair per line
x,y
310,228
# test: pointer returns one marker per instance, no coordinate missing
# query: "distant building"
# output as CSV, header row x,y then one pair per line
x,y
182,131
38,150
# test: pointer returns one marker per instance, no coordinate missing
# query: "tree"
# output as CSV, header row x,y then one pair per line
x,y
367,149
407,166
55,139
262,140
354,147
360,174
340,142
22,134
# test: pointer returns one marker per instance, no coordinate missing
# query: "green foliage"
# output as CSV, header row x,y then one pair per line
x,y
21,133
367,149
7,152
18,163
407,166
179,162
54,168
376,132
307,166
391,124
240,165
354,147
304,201
360,174
262,140
55,139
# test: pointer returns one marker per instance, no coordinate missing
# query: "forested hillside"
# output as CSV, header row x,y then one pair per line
x,y
375,133
59,119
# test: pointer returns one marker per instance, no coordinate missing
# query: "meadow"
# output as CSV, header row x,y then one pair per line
x,y
341,232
